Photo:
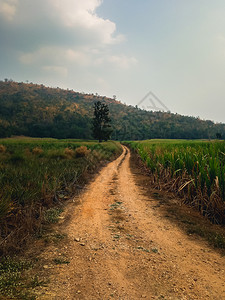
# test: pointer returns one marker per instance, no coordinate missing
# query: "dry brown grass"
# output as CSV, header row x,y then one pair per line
x,y
2,149
37,151
82,151
69,152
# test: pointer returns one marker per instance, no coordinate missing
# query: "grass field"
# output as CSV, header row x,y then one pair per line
x,y
195,170
36,175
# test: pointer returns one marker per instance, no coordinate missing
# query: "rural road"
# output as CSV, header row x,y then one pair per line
x,y
120,248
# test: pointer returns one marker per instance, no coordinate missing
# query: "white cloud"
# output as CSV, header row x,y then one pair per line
x,y
8,8
58,70
119,61
81,14
72,20
79,35
122,61
77,56
55,55
63,41
42,55
83,57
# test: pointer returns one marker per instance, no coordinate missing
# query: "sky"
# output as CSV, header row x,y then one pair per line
x,y
128,48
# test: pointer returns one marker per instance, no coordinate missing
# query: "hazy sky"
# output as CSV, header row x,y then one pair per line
x,y
174,48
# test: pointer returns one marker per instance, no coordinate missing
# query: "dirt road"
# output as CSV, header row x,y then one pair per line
x,y
120,248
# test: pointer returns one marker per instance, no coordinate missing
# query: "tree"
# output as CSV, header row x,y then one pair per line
x,y
101,122
218,136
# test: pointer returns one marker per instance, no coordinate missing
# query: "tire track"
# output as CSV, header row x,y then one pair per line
x,y
119,248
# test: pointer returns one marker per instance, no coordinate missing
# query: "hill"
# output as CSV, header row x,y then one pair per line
x,y
38,111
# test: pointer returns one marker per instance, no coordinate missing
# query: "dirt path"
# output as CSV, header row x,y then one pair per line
x,y
120,248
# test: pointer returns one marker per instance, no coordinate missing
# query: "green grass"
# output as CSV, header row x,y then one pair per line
x,y
13,283
51,215
16,280
37,175
193,169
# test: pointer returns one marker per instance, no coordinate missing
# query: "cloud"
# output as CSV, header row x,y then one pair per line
x,y
122,61
68,21
55,55
78,57
61,43
81,15
42,55
8,8
118,61
55,32
69,57
61,71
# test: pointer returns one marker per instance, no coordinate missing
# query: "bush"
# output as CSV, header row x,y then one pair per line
x,y
2,149
69,152
37,151
82,151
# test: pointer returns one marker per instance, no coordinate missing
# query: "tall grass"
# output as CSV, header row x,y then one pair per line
x,y
195,170
36,174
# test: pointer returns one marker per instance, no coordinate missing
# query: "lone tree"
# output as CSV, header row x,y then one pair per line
x,y
218,135
101,122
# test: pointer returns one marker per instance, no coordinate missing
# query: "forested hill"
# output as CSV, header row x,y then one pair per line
x,y
39,111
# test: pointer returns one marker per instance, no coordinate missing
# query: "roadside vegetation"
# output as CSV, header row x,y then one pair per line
x,y
36,177
195,170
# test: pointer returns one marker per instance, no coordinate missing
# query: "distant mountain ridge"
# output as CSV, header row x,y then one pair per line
x,y
38,111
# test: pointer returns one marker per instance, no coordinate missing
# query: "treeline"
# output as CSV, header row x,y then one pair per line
x,y
38,111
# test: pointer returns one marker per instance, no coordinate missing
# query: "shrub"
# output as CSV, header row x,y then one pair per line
x,y
2,149
37,151
82,151
69,152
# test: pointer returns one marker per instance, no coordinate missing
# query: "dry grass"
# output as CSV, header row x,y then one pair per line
x,y
37,151
38,176
2,149
69,152
82,151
